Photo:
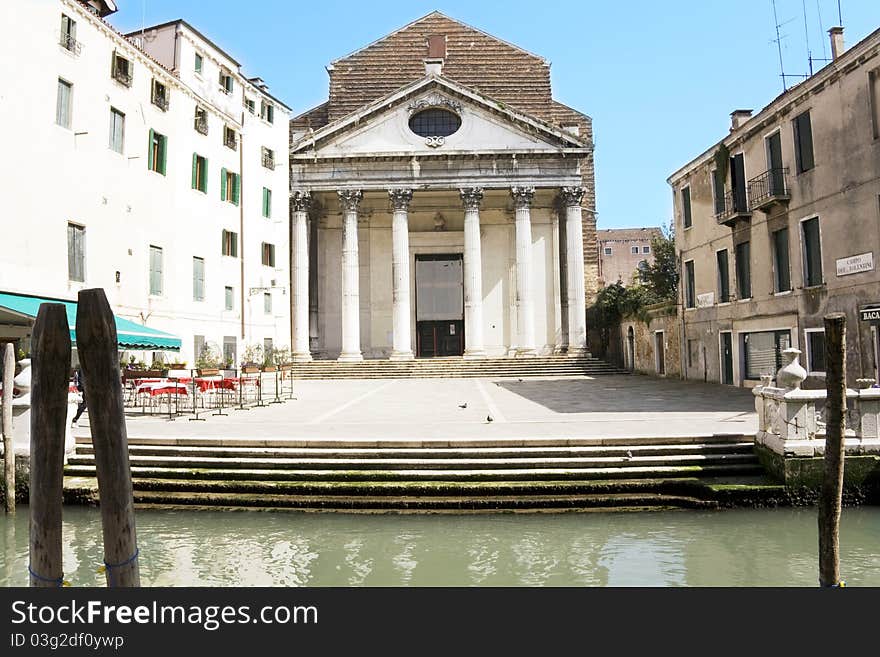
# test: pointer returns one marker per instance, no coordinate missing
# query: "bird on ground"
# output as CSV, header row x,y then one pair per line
x,y
629,455
520,380
489,418
463,405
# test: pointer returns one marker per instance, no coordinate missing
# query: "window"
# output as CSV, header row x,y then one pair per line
x,y
743,271
158,151
121,69
267,111
608,250
268,158
435,123
201,120
268,347
159,96
634,250
646,250
198,346
803,142
762,352
63,103
229,350
723,276
117,130
155,270
68,34
686,206
268,254
816,351
227,83
198,279
718,191
250,105
874,94
267,303
781,269
199,62
267,203
230,298
812,252
690,287
76,253
200,173
230,139
230,187
230,244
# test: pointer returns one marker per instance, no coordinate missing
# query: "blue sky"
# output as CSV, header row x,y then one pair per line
x,y
659,78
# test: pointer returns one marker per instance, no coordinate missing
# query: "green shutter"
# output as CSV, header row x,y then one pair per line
x,y
195,180
236,188
222,184
204,186
150,151
163,152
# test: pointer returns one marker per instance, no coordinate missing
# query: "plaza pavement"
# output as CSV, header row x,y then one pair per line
x,y
416,409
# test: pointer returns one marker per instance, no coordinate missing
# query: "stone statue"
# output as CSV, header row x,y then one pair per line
x,y
439,222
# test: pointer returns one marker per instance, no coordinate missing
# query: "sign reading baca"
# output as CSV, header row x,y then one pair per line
x,y
871,314
855,264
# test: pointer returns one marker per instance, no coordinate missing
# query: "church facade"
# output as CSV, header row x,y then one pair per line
x,y
442,204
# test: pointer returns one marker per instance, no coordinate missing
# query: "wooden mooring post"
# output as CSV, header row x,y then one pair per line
x,y
50,349
6,424
832,478
98,353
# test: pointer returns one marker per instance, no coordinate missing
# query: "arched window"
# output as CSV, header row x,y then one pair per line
x,y
435,122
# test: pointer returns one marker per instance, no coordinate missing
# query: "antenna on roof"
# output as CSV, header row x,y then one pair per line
x,y
839,14
143,18
779,45
807,37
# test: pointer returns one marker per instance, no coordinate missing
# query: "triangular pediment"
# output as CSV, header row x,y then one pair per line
x,y
382,128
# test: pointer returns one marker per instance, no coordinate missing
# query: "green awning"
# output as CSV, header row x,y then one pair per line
x,y
129,334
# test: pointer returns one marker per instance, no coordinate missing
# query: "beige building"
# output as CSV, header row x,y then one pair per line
x,y
442,204
622,252
777,225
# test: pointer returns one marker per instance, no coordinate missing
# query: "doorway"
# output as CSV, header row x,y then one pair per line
x,y
727,359
439,305
660,350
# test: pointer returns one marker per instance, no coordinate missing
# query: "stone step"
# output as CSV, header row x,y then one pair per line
x,y
430,474
621,451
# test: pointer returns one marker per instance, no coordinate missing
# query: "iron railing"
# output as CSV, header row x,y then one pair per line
x,y
122,76
269,160
770,186
201,125
735,204
160,100
230,141
67,42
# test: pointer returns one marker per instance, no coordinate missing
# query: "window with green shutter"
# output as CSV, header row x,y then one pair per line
x,y
267,202
230,187
198,279
230,244
76,263
236,188
155,270
200,173
156,156
803,142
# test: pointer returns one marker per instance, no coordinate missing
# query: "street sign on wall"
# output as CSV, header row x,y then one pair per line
x,y
855,264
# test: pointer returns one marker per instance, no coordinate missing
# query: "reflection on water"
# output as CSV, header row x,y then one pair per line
x,y
731,548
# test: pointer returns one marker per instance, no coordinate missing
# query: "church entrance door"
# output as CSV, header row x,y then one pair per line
x,y
439,305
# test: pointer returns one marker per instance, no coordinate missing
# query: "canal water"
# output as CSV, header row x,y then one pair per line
x,y
775,547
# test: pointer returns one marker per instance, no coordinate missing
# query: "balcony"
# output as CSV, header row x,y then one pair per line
x,y
735,209
122,76
269,160
70,44
230,140
769,189
160,100
201,125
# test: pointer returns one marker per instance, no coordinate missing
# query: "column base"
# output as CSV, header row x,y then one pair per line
x,y
575,352
401,356
474,354
560,349
524,352
302,357
350,358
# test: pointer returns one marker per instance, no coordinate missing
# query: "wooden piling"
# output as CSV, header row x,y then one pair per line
x,y
50,350
832,479
97,345
6,423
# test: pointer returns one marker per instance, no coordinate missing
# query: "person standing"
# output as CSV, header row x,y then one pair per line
x,y
79,382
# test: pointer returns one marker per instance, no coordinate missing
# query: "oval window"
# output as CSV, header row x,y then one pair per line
x,y
435,123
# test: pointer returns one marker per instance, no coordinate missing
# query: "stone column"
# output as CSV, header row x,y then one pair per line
x,y
349,199
525,306
473,274
574,249
300,203
402,339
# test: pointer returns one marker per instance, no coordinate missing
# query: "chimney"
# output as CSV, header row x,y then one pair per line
x,y
836,42
738,117
436,54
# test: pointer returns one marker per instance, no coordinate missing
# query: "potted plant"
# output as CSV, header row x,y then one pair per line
x,y
208,361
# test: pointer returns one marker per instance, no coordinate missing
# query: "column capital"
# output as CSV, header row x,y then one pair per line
x,y
471,197
350,199
300,201
572,196
522,196
400,198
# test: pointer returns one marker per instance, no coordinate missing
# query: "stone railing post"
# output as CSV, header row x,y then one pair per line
x,y
867,416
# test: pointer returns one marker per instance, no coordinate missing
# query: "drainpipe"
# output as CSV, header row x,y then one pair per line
x,y
241,219
682,338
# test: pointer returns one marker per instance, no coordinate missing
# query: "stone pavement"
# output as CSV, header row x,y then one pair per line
x,y
572,407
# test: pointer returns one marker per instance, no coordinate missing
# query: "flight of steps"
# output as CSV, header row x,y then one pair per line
x,y
559,365
429,475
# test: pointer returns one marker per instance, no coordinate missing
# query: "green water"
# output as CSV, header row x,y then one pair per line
x,y
730,548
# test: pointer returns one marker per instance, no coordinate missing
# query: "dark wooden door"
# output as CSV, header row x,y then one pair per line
x,y
440,338
726,359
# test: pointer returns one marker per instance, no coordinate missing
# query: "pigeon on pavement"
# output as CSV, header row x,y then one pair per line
x,y
463,405
489,418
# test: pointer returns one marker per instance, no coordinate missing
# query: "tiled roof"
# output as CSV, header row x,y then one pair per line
x,y
627,234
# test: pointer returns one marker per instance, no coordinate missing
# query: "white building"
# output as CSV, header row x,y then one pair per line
x,y
147,165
